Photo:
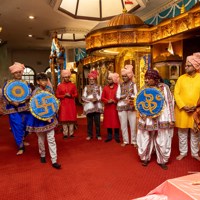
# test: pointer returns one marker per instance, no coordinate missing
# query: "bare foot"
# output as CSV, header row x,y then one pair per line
x,y
180,157
26,143
197,158
123,144
20,152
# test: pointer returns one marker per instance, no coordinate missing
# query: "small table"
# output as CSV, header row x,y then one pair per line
x,y
181,188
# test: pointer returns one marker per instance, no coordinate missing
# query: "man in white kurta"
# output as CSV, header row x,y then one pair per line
x,y
156,133
187,94
126,93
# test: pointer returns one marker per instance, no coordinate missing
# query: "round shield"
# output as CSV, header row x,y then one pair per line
x,y
16,91
149,102
44,105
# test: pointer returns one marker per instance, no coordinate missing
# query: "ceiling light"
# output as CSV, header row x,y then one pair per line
x,y
30,35
31,17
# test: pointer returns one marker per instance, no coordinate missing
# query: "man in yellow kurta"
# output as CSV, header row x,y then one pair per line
x,y
187,94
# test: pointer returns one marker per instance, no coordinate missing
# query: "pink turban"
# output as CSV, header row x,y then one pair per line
x,y
114,77
16,67
128,70
93,74
65,72
194,60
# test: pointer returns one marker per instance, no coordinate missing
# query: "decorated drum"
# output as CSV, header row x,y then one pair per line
x,y
16,90
44,105
149,102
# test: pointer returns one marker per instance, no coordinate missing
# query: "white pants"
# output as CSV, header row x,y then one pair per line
x,y
68,129
159,140
51,144
124,118
183,141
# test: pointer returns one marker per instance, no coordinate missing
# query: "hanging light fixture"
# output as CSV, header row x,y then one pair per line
x,y
170,48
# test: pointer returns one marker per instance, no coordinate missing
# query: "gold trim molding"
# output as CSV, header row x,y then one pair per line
x,y
132,35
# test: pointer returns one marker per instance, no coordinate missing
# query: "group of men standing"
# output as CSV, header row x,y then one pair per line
x,y
151,134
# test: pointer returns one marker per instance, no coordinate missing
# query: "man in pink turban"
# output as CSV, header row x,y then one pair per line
x,y
67,92
17,67
92,106
126,93
17,111
187,94
194,60
110,107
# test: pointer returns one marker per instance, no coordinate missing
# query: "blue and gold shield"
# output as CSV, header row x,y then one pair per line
x,y
16,90
149,102
44,105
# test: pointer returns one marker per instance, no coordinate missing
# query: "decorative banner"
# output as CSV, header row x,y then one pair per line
x,y
16,91
80,53
44,105
149,102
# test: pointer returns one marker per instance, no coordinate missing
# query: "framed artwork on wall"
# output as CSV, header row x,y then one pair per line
x,y
174,70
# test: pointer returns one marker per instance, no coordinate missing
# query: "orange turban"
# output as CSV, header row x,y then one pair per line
x,y
65,72
17,67
128,70
114,77
93,74
194,60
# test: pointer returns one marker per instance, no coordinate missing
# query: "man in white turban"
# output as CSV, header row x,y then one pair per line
x,y
126,93
187,94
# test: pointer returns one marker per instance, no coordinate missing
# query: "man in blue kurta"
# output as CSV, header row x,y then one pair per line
x,y
18,112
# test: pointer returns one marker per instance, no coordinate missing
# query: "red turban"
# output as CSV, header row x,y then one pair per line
x,y
93,74
152,74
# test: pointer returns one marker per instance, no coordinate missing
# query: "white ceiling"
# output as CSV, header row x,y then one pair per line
x,y
16,26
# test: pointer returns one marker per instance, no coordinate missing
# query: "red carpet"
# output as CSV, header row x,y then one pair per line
x,y
91,170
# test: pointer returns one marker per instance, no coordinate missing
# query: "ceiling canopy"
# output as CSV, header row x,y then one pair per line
x,y
99,10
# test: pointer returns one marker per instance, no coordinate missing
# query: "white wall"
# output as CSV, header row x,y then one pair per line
x,y
36,59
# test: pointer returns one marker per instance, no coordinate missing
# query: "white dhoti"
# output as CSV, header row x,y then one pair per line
x,y
159,140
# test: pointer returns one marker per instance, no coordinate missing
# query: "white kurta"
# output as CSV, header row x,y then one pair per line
x,y
126,111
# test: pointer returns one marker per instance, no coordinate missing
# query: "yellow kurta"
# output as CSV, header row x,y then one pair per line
x,y
186,93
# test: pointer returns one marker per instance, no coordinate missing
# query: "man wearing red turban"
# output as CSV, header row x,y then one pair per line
x,y
92,106
187,94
